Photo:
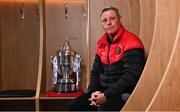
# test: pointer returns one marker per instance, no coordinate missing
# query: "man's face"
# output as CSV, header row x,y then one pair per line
x,y
110,22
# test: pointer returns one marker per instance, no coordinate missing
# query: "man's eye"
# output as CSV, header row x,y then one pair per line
x,y
104,20
112,18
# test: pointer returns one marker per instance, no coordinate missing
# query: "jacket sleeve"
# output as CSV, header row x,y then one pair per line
x,y
94,84
134,62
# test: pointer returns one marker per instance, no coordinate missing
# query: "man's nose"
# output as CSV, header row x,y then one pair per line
x,y
108,21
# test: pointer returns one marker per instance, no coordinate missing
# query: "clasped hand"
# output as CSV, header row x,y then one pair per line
x,y
97,98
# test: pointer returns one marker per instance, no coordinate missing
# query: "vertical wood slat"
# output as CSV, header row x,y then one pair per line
x,y
40,64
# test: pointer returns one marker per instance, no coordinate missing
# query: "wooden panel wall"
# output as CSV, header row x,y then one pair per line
x,y
19,44
167,96
135,16
147,19
57,28
163,41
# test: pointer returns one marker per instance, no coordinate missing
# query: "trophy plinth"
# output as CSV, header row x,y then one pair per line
x,y
66,85
66,68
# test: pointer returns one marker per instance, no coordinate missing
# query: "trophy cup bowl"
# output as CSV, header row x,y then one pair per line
x,y
66,69
66,83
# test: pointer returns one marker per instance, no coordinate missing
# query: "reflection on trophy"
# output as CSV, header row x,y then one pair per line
x,y
66,68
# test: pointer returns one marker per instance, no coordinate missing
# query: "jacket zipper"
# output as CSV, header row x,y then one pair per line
x,y
108,53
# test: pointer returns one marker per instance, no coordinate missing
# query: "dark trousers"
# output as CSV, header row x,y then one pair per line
x,y
83,104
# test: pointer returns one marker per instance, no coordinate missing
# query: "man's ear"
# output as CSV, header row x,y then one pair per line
x,y
120,20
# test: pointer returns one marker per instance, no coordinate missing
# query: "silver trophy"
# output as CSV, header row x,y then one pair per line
x,y
66,69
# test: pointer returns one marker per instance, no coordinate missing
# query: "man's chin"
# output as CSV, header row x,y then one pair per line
x,y
110,32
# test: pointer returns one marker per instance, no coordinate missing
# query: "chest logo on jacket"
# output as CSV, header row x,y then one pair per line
x,y
118,50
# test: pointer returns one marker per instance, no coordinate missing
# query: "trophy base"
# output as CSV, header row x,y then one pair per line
x,y
65,87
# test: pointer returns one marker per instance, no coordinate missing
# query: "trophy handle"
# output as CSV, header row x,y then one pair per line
x,y
54,61
76,68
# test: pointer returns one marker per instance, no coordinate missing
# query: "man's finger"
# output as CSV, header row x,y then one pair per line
x,y
93,103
